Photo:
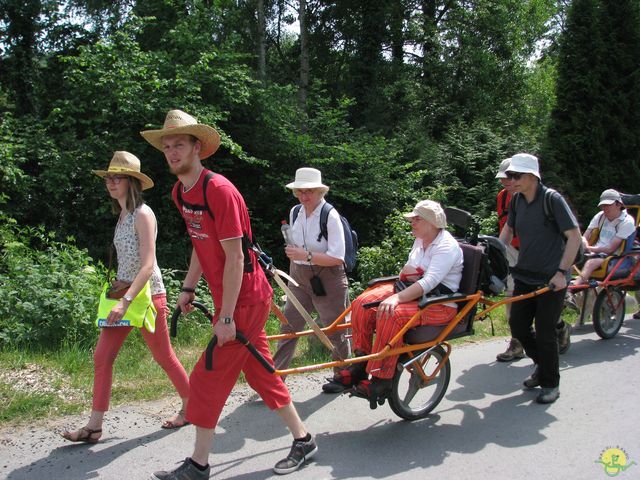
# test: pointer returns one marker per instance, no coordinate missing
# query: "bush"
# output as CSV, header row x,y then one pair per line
x,y
50,290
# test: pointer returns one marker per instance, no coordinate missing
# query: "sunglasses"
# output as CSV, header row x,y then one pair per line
x,y
115,179
514,175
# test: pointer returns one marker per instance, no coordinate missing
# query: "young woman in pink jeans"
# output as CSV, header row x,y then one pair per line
x,y
134,239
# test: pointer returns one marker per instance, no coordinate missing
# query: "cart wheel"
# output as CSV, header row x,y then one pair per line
x,y
608,312
411,398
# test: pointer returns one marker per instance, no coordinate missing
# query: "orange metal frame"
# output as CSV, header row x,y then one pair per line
x,y
471,300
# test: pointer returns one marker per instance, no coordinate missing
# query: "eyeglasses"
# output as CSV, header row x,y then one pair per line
x,y
305,191
115,179
514,175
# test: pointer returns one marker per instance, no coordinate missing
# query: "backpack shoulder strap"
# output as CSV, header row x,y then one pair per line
x,y
549,193
324,217
295,213
503,205
205,184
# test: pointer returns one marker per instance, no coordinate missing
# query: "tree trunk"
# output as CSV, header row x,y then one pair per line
x,y
262,41
304,57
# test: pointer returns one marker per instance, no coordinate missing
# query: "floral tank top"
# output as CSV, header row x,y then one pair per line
x,y
127,246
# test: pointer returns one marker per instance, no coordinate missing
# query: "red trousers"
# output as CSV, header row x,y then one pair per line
x,y
364,323
210,389
110,342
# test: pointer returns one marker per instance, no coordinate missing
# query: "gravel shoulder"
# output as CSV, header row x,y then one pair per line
x,y
486,427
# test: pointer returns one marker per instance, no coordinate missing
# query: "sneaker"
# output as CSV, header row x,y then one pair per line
x,y
564,338
548,395
300,452
186,471
513,352
571,302
533,380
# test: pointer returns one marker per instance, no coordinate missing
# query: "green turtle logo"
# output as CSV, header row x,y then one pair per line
x,y
614,461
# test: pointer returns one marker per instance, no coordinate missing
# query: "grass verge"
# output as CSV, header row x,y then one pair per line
x,y
41,384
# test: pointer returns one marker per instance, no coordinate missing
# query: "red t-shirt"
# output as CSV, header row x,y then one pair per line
x,y
230,220
503,200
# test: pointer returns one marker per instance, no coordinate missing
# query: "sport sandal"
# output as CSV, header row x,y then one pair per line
x,y
84,434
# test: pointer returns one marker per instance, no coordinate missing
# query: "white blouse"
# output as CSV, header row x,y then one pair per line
x,y
306,231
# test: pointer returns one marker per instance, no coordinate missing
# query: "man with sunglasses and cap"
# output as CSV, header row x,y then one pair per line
x,y
240,290
547,251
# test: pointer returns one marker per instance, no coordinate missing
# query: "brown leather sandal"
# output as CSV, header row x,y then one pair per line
x,y
85,435
173,424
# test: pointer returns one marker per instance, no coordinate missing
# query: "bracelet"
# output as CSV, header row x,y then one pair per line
x,y
563,271
188,290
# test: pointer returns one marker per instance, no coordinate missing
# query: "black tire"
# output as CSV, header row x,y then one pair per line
x,y
608,312
411,400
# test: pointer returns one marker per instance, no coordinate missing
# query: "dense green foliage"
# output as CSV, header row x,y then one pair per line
x,y
48,296
594,138
393,101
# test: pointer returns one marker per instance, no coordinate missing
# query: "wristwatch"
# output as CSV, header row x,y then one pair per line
x,y
128,298
309,256
563,271
227,320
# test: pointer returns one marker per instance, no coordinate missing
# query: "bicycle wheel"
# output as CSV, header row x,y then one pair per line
x,y
412,396
608,312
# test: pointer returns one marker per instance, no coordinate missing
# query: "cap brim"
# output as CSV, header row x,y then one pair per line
x,y
501,175
294,185
208,136
532,172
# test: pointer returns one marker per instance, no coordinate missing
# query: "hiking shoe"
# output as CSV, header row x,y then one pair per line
x,y
533,380
346,378
548,395
513,352
564,338
376,390
186,471
300,452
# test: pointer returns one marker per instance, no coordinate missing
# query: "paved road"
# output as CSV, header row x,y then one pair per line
x,y
487,427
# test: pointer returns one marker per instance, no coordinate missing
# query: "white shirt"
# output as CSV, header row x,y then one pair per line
x,y
306,231
620,227
441,262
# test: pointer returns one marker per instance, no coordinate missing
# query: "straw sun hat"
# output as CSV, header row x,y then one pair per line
x,y
178,122
125,163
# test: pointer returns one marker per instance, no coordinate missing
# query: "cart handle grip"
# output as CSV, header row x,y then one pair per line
x,y
214,340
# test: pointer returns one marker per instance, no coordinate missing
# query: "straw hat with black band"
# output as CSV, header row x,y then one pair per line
x,y
178,122
125,163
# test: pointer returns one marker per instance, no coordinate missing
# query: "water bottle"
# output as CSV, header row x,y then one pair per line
x,y
287,234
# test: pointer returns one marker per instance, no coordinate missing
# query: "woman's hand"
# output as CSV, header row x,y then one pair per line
x,y
117,312
388,306
295,253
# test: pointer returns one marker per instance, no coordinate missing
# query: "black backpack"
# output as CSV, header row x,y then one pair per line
x,y
549,193
350,235
495,267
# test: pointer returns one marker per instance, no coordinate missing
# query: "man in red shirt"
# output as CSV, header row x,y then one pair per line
x,y
217,222
514,351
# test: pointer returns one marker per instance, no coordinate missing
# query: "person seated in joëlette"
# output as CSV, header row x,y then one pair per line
x,y
434,266
612,224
